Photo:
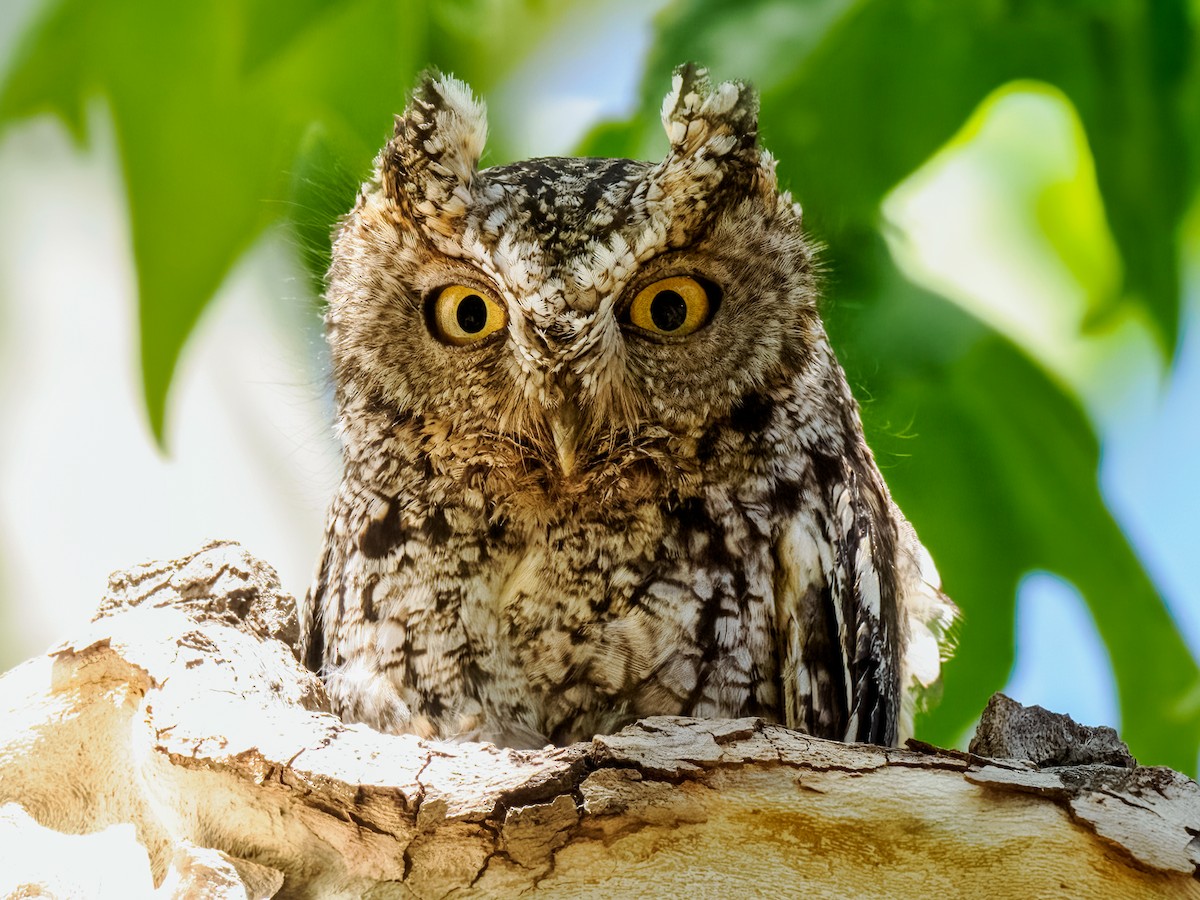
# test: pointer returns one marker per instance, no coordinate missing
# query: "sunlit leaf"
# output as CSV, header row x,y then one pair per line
x,y
232,116
205,137
855,96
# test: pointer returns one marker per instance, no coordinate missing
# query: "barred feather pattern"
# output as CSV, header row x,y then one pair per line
x,y
571,525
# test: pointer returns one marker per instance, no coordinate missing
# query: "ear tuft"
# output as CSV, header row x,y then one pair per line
x,y
714,158
428,165
720,122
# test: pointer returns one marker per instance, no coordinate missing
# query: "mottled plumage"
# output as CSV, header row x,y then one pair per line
x,y
600,460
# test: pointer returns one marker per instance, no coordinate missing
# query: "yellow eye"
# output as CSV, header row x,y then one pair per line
x,y
461,314
674,306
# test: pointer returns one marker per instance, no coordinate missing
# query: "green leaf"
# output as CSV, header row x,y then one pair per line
x,y
35,84
996,465
855,96
205,138
230,117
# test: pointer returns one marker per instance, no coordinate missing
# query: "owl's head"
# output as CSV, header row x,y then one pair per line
x,y
574,319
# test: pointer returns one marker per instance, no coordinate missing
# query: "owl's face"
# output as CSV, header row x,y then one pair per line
x,y
571,325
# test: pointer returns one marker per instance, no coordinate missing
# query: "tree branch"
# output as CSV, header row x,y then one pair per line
x,y
177,745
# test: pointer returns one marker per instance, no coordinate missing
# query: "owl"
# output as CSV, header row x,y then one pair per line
x,y
600,461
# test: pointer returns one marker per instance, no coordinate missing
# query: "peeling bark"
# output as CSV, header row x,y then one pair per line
x,y
176,747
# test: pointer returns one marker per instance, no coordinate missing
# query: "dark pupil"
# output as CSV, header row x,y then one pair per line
x,y
471,314
668,310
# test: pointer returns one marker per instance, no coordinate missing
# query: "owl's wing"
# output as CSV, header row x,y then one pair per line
x,y
861,616
313,613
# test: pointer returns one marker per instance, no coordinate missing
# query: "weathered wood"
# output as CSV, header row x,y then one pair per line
x,y
177,742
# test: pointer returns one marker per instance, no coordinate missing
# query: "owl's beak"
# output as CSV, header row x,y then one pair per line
x,y
564,426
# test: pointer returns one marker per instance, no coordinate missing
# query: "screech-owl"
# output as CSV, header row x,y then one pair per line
x,y
599,459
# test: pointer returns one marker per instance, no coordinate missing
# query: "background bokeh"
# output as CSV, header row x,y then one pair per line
x,y
1006,193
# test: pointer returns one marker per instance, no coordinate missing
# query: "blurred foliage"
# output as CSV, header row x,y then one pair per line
x,y
232,116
